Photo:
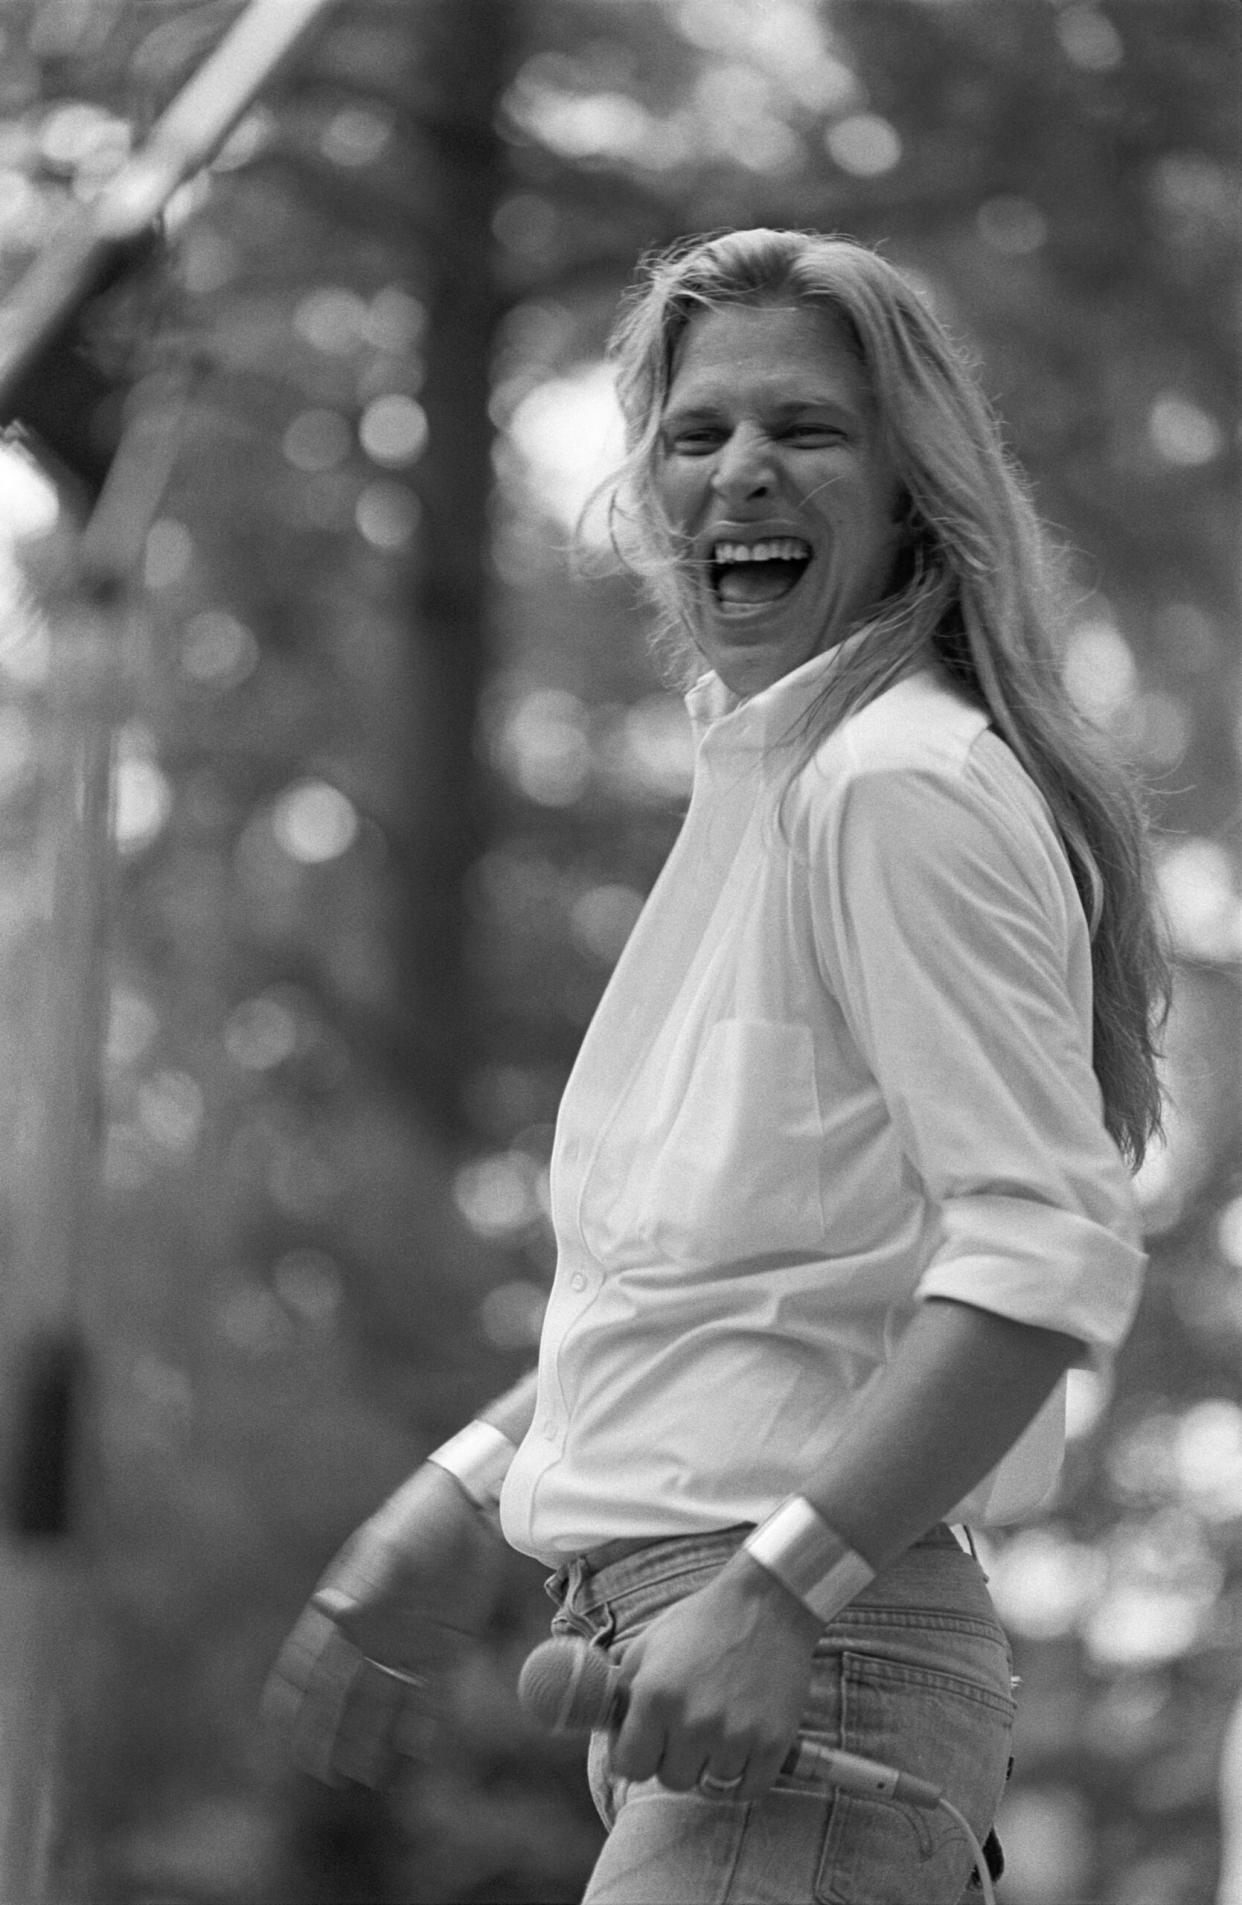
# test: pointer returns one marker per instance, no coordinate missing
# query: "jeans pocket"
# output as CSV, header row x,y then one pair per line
x,y
946,1728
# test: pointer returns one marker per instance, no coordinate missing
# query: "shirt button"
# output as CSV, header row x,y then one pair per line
x,y
549,1431
577,1281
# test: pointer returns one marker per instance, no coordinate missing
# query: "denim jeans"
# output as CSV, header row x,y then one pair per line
x,y
915,1673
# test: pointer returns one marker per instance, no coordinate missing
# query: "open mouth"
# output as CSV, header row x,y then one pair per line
x,y
747,575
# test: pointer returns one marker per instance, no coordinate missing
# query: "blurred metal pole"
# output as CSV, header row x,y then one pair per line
x,y
44,1604
90,248
49,1643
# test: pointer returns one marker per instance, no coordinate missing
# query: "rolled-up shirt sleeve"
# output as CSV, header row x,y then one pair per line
x,y
947,926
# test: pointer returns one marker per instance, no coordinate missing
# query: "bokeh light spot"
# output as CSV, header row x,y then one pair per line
x,y
78,137
388,515
132,1024
1011,224
602,919
317,440
393,430
497,1195
261,1033
569,433
314,822
1049,1842
1183,432
1198,886
1099,668
1229,1232
141,793
1043,1581
581,124
1088,39
1139,1623
170,1108
394,320
1156,728
1207,1454
217,649
656,747
543,747
864,144
29,505
332,319
356,135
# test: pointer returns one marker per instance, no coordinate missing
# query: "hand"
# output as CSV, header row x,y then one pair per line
x,y
717,1685
354,1689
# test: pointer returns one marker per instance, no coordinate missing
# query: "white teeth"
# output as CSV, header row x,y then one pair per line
x,y
779,549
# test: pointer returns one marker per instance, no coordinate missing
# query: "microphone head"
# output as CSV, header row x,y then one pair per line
x,y
569,1686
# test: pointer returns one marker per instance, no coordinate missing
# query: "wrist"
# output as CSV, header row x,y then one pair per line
x,y
800,1551
752,1585
478,1459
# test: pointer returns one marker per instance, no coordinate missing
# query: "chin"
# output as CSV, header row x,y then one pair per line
x,y
748,665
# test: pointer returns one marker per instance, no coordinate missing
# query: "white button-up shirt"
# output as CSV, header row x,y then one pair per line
x,y
843,1064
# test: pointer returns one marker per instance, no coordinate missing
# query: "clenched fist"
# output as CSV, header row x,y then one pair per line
x,y
354,1690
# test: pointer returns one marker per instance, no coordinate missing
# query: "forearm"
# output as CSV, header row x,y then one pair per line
x,y
721,1677
477,1459
961,1388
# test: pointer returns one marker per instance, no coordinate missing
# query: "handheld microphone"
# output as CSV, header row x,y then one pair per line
x,y
571,1687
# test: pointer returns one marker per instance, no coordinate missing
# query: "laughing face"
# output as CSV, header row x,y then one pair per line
x,y
773,473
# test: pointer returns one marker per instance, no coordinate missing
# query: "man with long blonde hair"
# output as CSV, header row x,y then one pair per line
x,y
839,1183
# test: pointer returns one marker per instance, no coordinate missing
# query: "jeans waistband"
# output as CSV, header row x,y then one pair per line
x,y
593,1561
609,1552
937,1577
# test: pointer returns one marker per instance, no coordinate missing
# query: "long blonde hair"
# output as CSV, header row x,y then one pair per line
x,y
976,589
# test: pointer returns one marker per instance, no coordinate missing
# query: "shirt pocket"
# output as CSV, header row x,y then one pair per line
x,y
725,1152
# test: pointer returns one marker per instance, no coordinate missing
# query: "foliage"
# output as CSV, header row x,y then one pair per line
x,y
392,783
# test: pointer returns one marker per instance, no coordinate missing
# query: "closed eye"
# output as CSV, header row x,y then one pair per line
x,y
815,433
703,439
698,442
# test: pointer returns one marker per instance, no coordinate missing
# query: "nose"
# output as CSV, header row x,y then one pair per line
x,y
743,470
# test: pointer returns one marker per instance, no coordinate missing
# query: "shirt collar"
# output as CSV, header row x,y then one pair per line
x,y
751,721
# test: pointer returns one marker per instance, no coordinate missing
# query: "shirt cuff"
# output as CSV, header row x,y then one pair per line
x,y
1038,1264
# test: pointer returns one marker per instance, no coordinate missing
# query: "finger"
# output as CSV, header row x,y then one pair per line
x,y
718,1781
638,1746
300,1654
365,1749
685,1757
314,1722
760,1771
412,1733
333,1602
387,1624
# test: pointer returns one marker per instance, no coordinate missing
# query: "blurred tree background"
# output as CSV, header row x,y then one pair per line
x,y
392,780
